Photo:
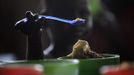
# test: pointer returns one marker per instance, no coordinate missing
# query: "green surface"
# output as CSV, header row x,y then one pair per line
x,y
73,66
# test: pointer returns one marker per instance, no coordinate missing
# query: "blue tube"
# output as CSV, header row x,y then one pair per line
x,y
77,21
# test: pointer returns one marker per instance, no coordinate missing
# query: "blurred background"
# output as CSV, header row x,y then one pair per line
x,y
108,27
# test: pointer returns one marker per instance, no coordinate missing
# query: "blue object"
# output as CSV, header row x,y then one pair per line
x,y
77,21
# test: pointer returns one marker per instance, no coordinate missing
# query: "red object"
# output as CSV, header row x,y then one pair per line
x,y
120,72
21,70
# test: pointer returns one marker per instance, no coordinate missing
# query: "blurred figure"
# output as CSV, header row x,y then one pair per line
x,y
105,36
123,10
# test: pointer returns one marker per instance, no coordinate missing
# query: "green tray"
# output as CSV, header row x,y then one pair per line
x,y
73,66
